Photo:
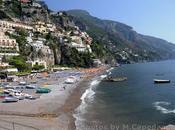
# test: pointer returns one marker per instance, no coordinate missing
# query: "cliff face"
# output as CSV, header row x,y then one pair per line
x,y
124,43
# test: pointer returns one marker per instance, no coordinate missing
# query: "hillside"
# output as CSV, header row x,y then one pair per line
x,y
125,43
73,38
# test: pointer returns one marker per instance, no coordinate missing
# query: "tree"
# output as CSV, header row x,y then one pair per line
x,y
20,63
1,2
38,67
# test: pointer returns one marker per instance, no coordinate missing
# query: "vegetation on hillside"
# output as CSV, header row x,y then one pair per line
x,y
19,62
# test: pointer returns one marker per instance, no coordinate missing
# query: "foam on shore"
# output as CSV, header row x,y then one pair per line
x,y
86,98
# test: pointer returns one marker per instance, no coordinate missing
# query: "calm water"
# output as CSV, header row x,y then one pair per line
x,y
138,100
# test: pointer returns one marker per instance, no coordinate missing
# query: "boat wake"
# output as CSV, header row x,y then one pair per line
x,y
164,107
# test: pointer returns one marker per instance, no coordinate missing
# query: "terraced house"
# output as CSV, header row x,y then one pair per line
x,y
8,46
7,25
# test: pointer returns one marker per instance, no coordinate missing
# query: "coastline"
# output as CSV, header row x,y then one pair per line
x,y
53,115
71,105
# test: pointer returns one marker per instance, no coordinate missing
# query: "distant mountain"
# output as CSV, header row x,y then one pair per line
x,y
124,43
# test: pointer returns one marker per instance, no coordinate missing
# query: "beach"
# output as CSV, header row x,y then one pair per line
x,y
51,111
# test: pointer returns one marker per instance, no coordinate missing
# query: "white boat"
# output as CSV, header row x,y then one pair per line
x,y
31,86
70,80
8,91
30,97
161,81
8,87
19,95
11,99
22,83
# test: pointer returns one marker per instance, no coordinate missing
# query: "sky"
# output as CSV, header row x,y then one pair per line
x,y
149,17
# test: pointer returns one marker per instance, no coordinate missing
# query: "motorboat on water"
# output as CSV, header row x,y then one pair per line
x,y
115,79
157,81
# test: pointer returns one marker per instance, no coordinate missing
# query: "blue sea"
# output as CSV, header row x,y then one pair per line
x,y
135,104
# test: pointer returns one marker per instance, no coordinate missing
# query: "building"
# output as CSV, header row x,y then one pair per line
x,y
77,42
44,27
40,27
11,70
39,45
8,46
79,47
6,25
38,62
4,65
97,62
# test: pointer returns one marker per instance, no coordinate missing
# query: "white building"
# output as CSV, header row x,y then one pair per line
x,y
39,45
11,70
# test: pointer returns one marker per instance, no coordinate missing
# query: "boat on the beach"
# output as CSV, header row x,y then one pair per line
x,y
43,90
157,81
3,95
22,83
70,80
8,91
11,99
115,79
31,86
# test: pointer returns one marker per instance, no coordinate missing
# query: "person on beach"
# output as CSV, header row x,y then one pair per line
x,y
64,87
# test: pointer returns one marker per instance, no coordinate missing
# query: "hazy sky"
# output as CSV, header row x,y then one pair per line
x,y
150,17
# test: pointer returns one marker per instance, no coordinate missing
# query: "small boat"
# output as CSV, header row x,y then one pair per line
x,y
22,83
43,90
30,97
70,80
116,79
3,95
11,99
31,87
156,81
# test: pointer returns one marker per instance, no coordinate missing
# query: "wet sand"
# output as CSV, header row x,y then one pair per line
x,y
53,111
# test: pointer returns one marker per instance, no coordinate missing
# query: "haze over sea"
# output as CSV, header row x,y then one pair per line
x,y
137,102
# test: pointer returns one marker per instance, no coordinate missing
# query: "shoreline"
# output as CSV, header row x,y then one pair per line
x,y
75,97
53,115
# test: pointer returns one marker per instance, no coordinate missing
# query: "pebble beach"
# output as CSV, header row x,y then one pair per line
x,y
52,111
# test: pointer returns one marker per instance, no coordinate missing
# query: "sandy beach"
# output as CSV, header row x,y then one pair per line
x,y
52,111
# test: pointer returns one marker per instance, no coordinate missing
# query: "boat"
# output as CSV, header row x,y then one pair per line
x,y
8,91
31,87
70,80
11,99
22,83
30,97
43,90
156,81
3,95
116,79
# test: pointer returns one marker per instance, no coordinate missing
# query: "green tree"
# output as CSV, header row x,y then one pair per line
x,y
20,63
1,2
38,67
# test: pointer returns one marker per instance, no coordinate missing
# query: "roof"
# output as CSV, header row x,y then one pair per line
x,y
25,1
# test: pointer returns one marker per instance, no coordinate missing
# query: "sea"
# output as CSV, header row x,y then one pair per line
x,y
135,104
